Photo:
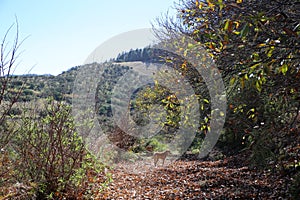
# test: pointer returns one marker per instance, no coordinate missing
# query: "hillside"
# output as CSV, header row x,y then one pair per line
x,y
60,87
43,86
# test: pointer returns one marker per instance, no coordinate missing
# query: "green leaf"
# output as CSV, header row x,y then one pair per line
x,y
205,119
270,51
245,30
221,4
232,80
206,100
190,46
258,86
255,57
284,69
185,52
253,67
226,25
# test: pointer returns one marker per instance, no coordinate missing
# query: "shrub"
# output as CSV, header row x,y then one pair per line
x,y
53,156
157,146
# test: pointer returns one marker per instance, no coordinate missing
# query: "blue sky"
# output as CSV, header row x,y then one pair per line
x,y
62,34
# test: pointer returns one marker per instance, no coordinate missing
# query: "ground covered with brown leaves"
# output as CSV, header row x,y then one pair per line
x,y
222,179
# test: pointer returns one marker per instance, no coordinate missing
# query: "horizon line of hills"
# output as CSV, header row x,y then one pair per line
x,y
145,55
60,86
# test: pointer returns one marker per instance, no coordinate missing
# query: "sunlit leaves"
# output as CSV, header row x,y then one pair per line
x,y
256,47
205,100
284,68
248,34
228,25
239,108
258,85
232,80
270,51
211,4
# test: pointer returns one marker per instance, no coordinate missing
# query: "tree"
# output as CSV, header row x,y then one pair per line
x,y
255,45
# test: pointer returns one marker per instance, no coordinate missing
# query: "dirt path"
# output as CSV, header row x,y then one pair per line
x,y
194,180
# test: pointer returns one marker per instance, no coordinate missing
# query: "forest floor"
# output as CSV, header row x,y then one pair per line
x,y
229,178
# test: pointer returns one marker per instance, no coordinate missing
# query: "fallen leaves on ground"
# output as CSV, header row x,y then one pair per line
x,y
194,180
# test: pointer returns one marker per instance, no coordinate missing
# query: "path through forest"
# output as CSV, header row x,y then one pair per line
x,y
223,179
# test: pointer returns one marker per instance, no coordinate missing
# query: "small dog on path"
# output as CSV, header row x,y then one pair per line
x,y
160,155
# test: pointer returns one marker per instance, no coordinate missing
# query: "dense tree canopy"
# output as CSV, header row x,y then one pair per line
x,y
255,45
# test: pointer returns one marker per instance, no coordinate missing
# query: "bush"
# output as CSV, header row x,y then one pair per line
x,y
157,146
53,156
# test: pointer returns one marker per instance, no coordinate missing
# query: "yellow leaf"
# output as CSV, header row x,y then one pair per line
x,y
237,24
232,80
258,86
184,65
253,67
201,5
210,5
242,81
221,7
222,114
226,25
262,45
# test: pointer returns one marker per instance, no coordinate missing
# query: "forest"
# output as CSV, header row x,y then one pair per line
x,y
252,46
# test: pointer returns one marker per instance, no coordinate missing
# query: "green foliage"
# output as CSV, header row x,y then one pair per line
x,y
262,150
145,55
107,81
42,86
255,45
156,144
157,95
51,154
196,144
170,115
